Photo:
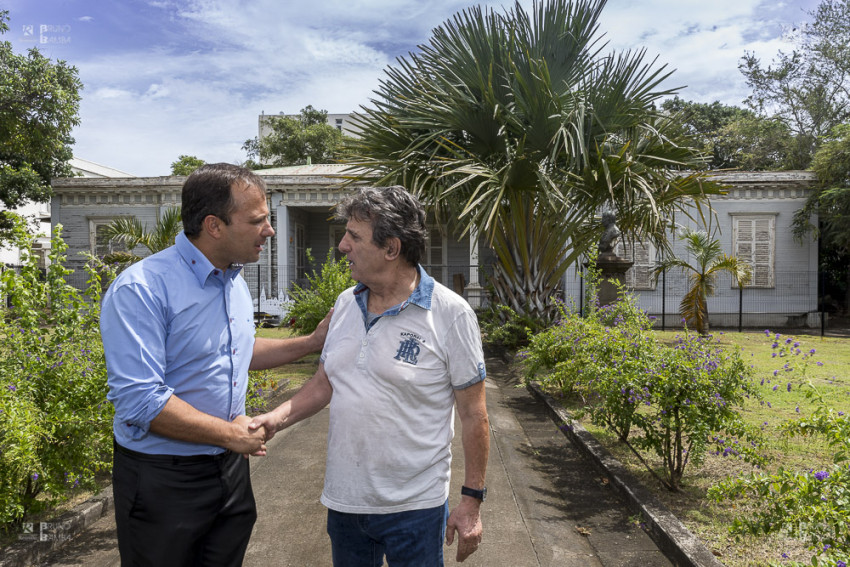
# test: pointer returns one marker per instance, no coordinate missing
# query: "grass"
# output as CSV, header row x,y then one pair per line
x,y
782,389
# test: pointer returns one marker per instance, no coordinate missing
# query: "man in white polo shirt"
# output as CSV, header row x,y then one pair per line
x,y
401,351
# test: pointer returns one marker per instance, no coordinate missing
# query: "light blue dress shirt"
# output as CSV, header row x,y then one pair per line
x,y
175,324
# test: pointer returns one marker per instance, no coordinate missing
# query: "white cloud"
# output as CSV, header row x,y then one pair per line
x,y
199,88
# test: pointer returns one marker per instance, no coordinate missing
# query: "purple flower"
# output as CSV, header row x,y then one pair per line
x,y
12,387
821,475
840,564
35,476
789,386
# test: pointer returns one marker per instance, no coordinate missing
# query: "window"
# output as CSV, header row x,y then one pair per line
x,y
99,244
337,232
639,276
753,241
434,261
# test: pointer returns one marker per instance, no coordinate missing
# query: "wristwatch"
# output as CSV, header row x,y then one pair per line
x,y
479,494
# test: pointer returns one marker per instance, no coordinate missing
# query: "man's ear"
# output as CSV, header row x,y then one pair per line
x,y
393,248
212,225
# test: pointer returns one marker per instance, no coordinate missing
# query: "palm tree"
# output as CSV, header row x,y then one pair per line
x,y
133,233
515,127
709,261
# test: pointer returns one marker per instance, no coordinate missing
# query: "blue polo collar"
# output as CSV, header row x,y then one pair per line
x,y
421,296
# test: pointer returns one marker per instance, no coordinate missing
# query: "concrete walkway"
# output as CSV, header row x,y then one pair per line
x,y
547,504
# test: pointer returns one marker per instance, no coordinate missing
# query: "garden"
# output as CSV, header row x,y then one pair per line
x,y
742,435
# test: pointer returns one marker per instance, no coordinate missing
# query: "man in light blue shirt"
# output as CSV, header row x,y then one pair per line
x,y
178,333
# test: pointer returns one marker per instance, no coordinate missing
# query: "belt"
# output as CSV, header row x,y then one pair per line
x,y
172,459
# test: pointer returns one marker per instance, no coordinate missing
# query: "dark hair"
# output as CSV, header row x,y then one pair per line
x,y
207,191
394,213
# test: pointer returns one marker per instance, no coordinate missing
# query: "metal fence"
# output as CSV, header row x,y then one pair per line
x,y
793,301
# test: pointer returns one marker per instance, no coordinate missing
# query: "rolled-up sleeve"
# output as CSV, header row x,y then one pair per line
x,y
133,329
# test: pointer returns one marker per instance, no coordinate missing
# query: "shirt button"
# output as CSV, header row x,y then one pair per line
x,y
365,342
362,355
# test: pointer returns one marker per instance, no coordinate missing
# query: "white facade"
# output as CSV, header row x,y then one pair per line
x,y
753,218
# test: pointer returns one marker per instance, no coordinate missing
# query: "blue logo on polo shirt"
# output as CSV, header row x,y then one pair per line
x,y
408,350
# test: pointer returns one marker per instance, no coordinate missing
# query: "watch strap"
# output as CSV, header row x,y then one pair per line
x,y
478,494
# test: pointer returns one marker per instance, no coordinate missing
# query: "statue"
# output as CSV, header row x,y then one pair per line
x,y
610,235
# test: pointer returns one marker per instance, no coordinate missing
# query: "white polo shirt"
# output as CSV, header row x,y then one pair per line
x,y
392,409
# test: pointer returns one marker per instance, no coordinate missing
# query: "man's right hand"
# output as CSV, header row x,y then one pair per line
x,y
246,440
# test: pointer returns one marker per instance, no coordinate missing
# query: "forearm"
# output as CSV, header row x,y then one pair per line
x,y
476,449
181,421
271,353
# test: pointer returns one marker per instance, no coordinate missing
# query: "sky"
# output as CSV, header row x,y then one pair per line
x,y
164,78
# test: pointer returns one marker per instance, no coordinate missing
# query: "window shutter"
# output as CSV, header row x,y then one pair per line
x,y
639,276
754,244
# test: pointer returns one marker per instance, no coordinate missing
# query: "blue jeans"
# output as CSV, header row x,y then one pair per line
x,y
408,539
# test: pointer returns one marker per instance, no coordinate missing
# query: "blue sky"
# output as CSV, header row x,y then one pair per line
x,y
170,77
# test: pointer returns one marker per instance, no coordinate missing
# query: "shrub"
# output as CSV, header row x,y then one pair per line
x,y
504,331
682,400
812,505
55,422
312,303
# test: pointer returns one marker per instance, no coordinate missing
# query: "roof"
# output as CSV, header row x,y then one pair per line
x,y
86,168
323,169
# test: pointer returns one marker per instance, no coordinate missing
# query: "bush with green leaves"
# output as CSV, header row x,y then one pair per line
x,y
310,304
504,331
813,505
681,399
55,422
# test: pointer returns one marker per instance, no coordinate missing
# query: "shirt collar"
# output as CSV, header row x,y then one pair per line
x,y
421,296
200,264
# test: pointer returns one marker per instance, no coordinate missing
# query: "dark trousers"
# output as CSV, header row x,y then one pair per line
x,y
182,511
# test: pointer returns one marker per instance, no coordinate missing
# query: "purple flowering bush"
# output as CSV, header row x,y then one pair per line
x,y
55,422
811,505
674,402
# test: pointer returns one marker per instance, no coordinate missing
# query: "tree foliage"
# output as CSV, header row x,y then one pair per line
x,y
831,205
39,102
517,126
807,89
133,233
706,261
734,137
185,165
297,140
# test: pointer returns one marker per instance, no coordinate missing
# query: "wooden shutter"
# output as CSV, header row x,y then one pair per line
x,y
754,244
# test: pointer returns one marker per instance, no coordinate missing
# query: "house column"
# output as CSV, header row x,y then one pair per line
x,y
282,233
474,289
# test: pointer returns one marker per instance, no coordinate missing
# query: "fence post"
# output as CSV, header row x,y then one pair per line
x,y
740,307
663,299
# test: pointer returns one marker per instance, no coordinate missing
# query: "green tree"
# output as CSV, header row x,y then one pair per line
x,y
39,102
831,203
807,89
734,137
515,125
708,262
133,233
185,165
297,140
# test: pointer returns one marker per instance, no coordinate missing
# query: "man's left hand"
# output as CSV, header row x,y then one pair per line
x,y
465,519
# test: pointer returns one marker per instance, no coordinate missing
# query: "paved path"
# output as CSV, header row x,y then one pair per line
x,y
542,494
